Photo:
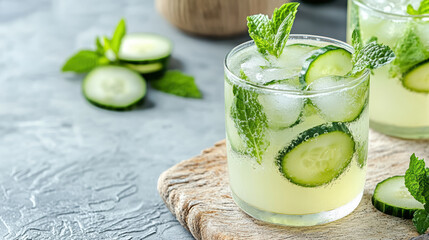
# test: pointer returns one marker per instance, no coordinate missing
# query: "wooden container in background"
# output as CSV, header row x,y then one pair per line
x,y
214,18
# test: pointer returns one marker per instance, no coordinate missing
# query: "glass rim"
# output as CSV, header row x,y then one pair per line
x,y
299,92
364,4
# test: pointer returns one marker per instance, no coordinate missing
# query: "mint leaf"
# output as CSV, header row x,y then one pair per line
x,y
356,43
250,120
81,62
421,221
283,19
118,35
409,51
423,9
371,55
99,46
270,36
260,31
417,179
176,83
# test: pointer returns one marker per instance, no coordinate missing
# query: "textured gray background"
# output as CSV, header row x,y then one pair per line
x,y
69,170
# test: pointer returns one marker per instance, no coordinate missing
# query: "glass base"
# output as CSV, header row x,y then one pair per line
x,y
401,132
298,220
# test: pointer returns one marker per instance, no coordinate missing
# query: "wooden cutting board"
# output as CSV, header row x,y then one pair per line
x,y
196,191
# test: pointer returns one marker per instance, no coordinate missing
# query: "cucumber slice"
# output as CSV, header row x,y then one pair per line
x,y
114,87
145,53
326,61
340,106
318,155
392,197
417,78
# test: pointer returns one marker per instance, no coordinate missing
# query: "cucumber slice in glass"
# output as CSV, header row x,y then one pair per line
x,y
318,155
391,196
344,105
145,53
326,61
114,87
417,78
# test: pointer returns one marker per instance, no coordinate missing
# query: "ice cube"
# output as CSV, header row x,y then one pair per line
x,y
282,110
341,105
253,67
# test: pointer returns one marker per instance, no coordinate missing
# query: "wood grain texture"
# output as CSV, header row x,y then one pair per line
x,y
216,18
196,191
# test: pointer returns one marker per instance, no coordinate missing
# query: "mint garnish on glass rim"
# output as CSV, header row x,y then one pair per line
x,y
271,35
423,8
370,55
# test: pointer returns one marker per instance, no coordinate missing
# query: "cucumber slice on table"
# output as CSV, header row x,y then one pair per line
x,y
326,61
114,87
145,53
392,197
318,155
417,78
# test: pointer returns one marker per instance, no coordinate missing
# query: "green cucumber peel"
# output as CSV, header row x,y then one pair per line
x,y
423,8
417,183
370,55
271,35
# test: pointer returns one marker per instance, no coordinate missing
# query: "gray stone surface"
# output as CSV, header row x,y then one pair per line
x,y
69,170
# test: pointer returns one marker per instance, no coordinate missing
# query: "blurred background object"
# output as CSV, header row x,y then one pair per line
x,y
317,1
214,18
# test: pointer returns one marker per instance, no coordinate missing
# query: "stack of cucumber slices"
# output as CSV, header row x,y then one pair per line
x,y
123,86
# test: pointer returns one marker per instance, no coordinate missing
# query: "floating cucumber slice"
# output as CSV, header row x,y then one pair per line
x,y
282,110
318,155
344,105
417,78
326,61
145,53
114,87
392,197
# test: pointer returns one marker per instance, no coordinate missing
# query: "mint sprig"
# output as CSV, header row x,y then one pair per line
x,y
271,35
423,8
250,121
410,51
177,83
106,52
417,183
370,55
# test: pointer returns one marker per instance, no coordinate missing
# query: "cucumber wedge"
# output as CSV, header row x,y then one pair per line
x,y
114,87
318,155
392,197
145,53
326,61
417,78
